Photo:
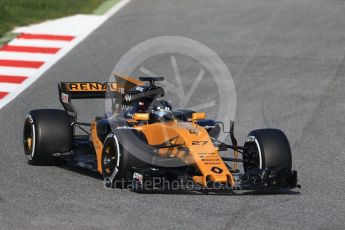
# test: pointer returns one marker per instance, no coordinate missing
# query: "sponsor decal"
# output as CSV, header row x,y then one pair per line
x,y
64,98
94,87
125,107
217,170
140,89
128,97
30,119
138,178
199,142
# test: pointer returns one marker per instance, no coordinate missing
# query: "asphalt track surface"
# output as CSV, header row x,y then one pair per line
x,y
287,61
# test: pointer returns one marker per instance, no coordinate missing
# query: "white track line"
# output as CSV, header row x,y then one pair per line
x,y
35,74
13,71
39,43
25,56
8,87
76,24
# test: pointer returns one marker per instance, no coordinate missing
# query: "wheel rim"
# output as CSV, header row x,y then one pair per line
x,y
29,142
109,160
253,154
29,139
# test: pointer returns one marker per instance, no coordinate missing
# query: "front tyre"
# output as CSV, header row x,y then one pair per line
x,y
267,148
112,162
118,156
46,131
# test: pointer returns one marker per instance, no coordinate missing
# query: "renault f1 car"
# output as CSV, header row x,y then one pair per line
x,y
145,140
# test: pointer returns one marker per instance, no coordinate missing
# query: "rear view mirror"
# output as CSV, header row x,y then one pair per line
x,y
141,116
198,116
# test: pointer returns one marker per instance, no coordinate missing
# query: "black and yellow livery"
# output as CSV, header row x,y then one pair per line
x,y
131,147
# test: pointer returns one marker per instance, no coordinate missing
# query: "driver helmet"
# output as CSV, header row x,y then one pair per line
x,y
161,111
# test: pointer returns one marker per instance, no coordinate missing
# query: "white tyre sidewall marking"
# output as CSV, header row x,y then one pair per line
x,y
253,139
33,140
112,176
259,149
117,151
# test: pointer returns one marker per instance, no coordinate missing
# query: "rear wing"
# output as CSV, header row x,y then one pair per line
x,y
93,90
89,90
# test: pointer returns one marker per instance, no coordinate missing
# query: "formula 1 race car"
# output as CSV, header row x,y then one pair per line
x,y
144,144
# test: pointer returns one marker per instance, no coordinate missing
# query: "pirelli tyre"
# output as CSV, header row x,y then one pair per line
x,y
118,157
267,148
46,131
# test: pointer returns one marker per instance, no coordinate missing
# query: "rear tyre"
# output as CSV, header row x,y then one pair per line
x,y
46,131
267,148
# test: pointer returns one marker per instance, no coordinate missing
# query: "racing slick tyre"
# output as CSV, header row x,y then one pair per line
x,y
267,148
117,160
46,131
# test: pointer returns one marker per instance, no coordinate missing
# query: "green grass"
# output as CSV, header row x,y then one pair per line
x,y
106,5
6,37
25,12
